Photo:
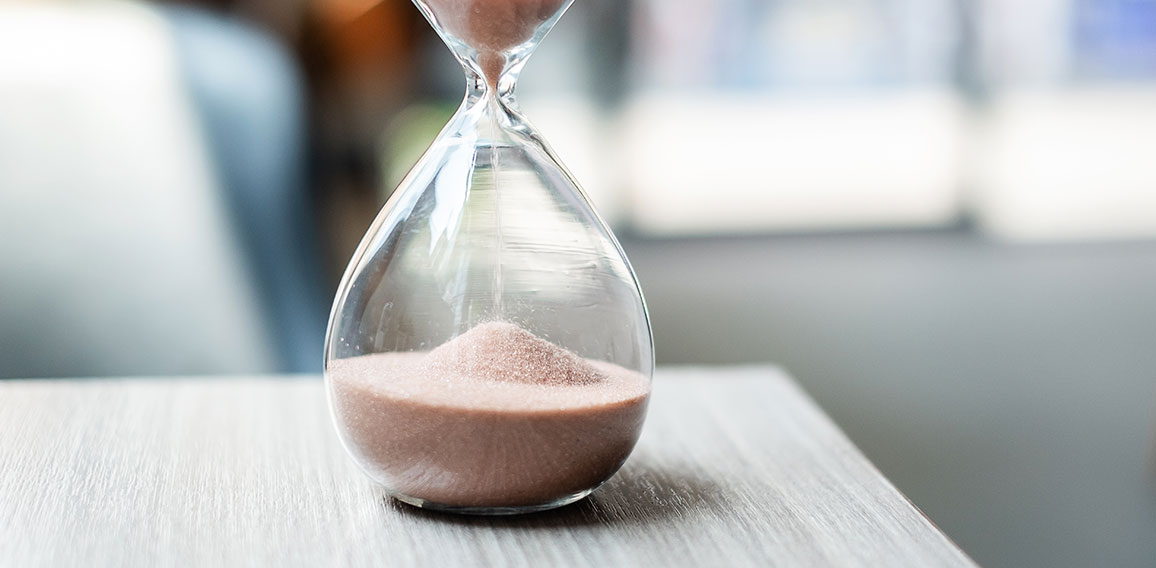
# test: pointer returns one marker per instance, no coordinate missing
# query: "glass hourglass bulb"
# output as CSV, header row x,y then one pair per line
x,y
489,350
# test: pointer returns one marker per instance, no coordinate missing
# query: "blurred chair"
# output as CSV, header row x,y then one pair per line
x,y
151,211
248,93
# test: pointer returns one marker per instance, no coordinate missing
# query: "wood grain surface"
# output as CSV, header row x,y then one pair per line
x,y
735,467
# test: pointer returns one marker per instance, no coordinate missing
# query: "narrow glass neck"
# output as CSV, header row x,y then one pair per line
x,y
480,90
489,114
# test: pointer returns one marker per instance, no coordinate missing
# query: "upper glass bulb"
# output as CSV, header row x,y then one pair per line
x,y
493,37
489,349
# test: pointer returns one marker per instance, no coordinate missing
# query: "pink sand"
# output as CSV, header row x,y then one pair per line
x,y
493,27
494,418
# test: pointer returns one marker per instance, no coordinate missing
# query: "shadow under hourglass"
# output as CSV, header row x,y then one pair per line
x,y
645,491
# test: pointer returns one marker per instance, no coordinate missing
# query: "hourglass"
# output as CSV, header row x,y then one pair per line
x,y
489,350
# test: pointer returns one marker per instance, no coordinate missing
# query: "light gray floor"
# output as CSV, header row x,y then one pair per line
x,y
1009,391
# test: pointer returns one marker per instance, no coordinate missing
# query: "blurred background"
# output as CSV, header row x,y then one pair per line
x,y
938,215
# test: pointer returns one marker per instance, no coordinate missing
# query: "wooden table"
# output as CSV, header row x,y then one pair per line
x,y
735,467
